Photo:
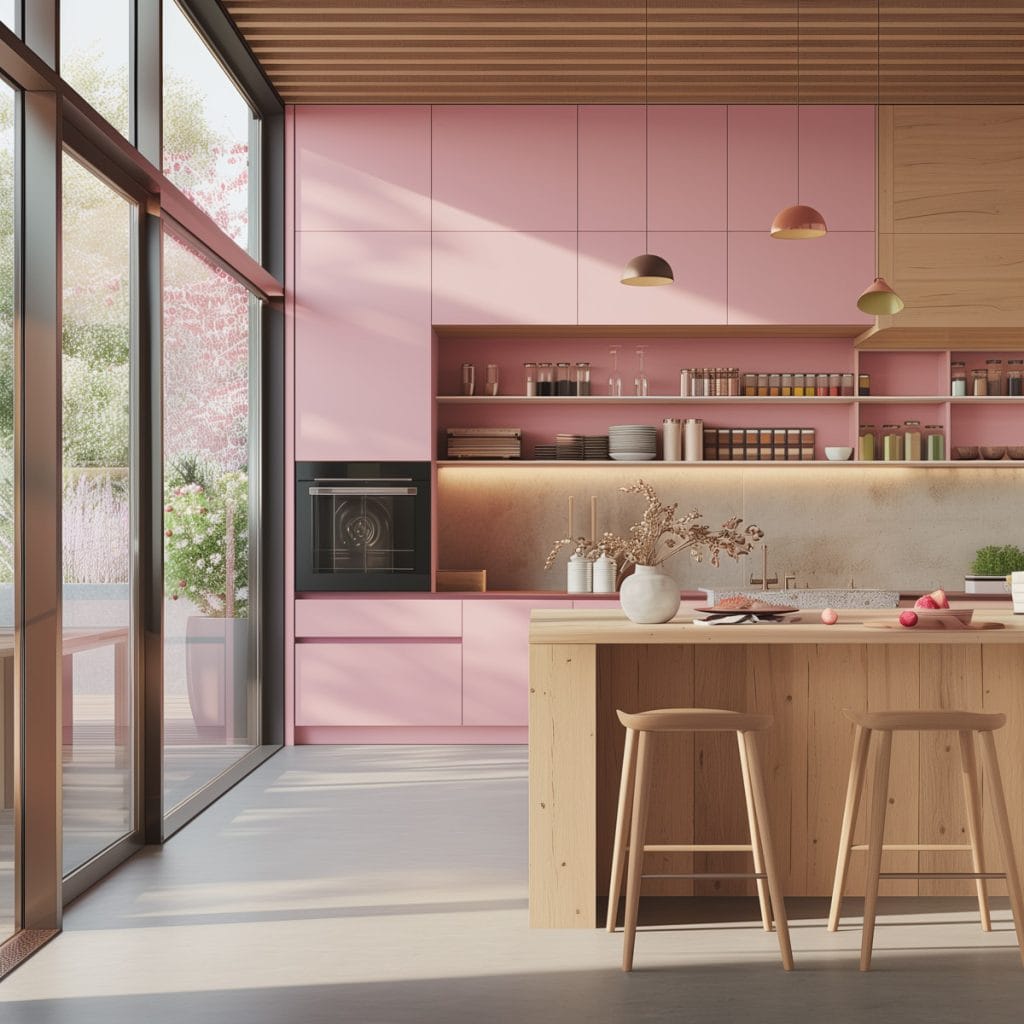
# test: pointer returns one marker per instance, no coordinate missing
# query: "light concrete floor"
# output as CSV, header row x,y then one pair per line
x,y
388,885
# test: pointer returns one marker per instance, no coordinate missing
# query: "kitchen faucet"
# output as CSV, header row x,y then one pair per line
x,y
765,581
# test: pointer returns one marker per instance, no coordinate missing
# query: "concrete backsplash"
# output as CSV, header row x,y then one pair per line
x,y
899,528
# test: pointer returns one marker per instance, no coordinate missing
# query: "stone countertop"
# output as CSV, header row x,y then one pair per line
x,y
854,627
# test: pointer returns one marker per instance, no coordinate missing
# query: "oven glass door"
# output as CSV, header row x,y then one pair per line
x,y
363,529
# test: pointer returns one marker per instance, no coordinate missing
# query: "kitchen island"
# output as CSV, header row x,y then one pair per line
x,y
586,664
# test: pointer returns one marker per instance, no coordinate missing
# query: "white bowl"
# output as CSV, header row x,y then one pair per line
x,y
838,454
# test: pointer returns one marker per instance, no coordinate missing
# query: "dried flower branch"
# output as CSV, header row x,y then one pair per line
x,y
660,534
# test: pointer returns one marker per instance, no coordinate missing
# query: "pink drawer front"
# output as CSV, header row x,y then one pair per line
x,y
378,684
386,617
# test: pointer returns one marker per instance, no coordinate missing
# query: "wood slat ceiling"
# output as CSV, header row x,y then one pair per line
x,y
592,51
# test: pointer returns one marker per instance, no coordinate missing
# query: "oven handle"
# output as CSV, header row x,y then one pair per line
x,y
358,491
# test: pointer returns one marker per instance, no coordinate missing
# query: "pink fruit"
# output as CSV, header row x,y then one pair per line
x,y
830,616
928,602
908,618
939,597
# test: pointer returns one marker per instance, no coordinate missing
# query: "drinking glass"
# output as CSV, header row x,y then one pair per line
x,y
491,387
468,378
615,381
640,381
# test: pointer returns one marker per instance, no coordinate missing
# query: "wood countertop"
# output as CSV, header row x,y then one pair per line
x,y
611,626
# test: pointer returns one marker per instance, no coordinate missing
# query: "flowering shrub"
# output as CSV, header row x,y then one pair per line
x,y
206,544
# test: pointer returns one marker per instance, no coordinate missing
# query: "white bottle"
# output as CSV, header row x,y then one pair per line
x,y
580,578
605,571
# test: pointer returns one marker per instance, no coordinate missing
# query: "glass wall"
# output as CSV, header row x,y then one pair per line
x,y
8,676
206,128
95,45
98,740
208,715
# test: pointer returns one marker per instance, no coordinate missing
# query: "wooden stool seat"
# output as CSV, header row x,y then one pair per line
x,y
634,802
965,724
926,720
694,720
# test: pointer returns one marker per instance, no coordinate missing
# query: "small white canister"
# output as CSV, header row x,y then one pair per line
x,y
580,579
672,440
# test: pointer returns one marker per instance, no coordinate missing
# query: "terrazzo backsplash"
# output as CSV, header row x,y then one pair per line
x,y
898,528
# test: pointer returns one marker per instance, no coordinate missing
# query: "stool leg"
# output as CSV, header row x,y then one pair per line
x,y
755,837
854,788
641,802
973,794
774,883
994,782
876,831
621,828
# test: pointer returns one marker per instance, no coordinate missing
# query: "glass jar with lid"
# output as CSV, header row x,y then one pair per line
x,y
912,440
530,379
749,385
892,442
564,383
846,384
866,443
821,385
1015,377
957,379
979,383
545,380
583,378
994,373
934,442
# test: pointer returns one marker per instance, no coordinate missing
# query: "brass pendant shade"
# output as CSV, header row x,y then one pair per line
x,y
798,222
878,299
647,270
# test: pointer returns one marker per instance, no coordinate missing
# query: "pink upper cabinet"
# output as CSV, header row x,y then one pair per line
x,y
814,281
504,277
696,297
684,167
504,168
362,345
362,168
837,153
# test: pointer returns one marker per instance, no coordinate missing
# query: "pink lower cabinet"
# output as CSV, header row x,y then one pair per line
x,y
378,684
496,660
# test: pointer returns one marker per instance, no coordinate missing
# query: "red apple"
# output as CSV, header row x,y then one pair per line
x,y
908,618
928,602
830,616
939,597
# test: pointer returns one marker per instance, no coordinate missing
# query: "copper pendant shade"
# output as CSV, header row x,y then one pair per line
x,y
798,222
647,270
878,299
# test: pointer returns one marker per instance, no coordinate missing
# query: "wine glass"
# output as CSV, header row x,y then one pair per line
x,y
640,381
615,381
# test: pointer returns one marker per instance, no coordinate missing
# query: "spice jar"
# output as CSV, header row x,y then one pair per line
x,y
994,373
564,384
846,384
749,384
583,378
979,382
912,440
866,443
821,385
1015,377
530,378
863,383
798,385
934,442
892,442
957,379
545,380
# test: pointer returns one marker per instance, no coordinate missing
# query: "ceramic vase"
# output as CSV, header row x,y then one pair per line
x,y
649,595
605,571
580,578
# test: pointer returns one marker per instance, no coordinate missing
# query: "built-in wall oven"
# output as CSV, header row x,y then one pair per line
x,y
362,526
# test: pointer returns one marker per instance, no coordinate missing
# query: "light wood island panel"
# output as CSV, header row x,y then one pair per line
x,y
586,664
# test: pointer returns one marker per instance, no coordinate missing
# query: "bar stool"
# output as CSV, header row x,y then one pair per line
x,y
885,723
634,802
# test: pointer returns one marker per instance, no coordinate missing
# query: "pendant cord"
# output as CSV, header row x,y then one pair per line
x,y
647,156
878,137
798,102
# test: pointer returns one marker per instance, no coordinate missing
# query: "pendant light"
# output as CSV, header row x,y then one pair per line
x,y
798,221
646,270
878,299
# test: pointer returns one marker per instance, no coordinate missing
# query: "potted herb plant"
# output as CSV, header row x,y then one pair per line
x,y
206,561
991,565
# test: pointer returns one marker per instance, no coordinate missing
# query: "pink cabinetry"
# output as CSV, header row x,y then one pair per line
x,y
378,618
496,660
362,345
378,684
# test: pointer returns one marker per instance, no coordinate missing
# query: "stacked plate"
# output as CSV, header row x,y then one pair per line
x,y
595,446
632,442
568,446
544,451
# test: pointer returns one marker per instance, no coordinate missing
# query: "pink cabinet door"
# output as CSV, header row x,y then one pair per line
x,y
504,168
378,684
362,345
408,618
496,660
504,277
362,168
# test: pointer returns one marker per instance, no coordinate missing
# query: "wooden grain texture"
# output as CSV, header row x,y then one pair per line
x,y
562,785
1004,692
949,679
641,679
894,679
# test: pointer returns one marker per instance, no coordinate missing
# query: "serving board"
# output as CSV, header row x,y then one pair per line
x,y
937,623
